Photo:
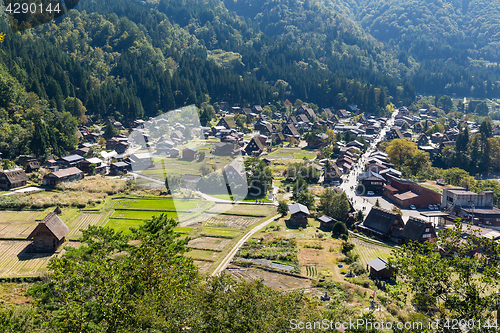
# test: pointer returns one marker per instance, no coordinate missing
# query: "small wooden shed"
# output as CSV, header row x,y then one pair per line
x,y
380,269
49,234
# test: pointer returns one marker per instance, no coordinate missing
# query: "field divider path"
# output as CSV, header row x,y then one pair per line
x,y
222,266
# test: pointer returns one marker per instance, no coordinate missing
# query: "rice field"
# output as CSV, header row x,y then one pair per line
x,y
139,215
124,226
14,262
157,204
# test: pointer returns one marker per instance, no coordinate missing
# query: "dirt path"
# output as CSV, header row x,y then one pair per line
x,y
222,266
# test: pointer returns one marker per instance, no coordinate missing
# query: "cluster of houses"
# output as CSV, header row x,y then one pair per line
x,y
278,129
412,128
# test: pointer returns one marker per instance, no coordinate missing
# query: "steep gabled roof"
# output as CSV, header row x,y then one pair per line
x,y
54,224
414,228
15,175
381,220
237,166
296,208
378,264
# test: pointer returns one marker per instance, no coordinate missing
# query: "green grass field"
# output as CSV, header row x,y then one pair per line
x,y
155,204
123,225
292,153
207,231
139,214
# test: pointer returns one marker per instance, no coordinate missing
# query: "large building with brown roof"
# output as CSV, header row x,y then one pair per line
x,y
49,234
405,193
61,176
12,179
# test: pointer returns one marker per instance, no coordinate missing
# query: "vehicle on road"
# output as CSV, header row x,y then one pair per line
x,y
413,207
431,207
370,193
436,207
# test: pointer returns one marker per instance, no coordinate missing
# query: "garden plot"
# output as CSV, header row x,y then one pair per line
x,y
83,222
369,251
271,279
209,243
15,263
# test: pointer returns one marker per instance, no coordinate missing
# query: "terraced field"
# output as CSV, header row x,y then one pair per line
x,y
14,262
369,251
17,224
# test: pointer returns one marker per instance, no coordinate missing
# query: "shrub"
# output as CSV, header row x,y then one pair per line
x,y
345,238
339,228
358,268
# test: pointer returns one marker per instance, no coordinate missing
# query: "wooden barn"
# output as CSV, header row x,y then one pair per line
x,y
326,223
380,269
49,234
299,214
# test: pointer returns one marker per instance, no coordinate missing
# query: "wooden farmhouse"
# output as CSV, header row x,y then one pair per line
x,y
49,234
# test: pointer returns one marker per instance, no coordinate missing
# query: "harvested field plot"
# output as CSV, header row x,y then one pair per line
x,y
23,216
83,222
209,243
15,263
369,251
16,229
226,221
244,209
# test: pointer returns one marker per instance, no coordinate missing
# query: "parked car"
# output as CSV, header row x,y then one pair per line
x,y
431,207
436,207
413,207
370,193
440,182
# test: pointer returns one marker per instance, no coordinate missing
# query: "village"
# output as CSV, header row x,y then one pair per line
x,y
205,177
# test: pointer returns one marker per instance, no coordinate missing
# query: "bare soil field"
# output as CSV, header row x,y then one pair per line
x,y
273,280
209,243
203,266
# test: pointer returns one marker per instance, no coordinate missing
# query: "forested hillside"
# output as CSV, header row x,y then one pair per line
x,y
455,41
131,58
